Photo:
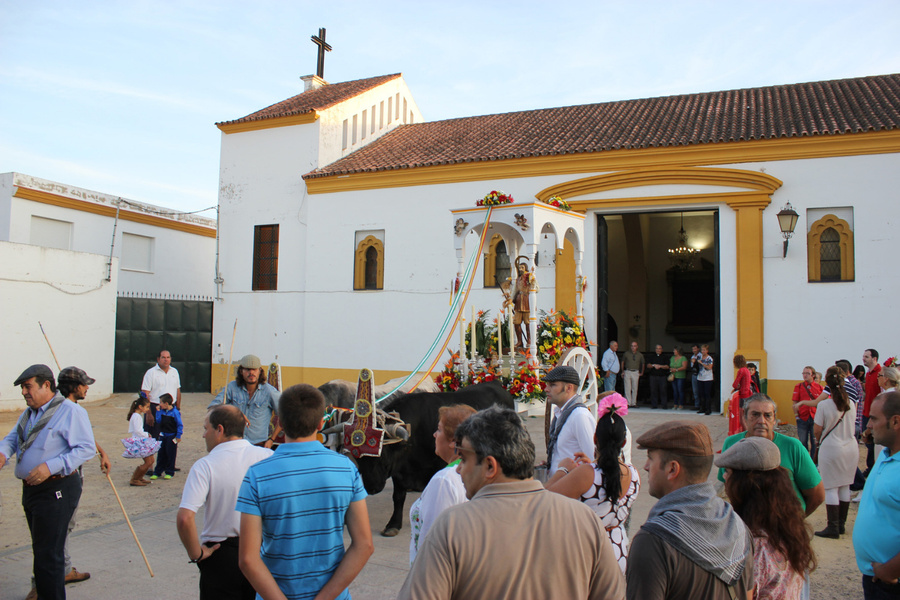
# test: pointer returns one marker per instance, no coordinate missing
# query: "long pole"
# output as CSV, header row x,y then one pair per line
x,y
230,356
127,520
58,368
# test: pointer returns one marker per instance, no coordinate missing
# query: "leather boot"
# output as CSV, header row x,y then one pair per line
x,y
137,478
832,531
843,507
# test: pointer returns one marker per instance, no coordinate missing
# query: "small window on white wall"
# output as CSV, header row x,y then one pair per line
x,y
137,253
51,233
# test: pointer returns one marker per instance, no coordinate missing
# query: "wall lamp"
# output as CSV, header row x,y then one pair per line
x,y
787,221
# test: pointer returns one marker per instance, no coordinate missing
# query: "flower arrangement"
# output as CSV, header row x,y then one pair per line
x,y
557,332
495,198
891,362
485,335
558,202
525,386
450,379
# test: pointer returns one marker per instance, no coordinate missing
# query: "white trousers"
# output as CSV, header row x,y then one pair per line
x,y
631,386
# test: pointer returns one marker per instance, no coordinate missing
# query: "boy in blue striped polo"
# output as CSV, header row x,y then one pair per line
x,y
294,506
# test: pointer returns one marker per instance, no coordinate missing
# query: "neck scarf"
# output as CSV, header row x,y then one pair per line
x,y
25,442
704,528
559,422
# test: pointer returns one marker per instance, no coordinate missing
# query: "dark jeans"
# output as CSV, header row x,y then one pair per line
x,y
678,391
154,430
805,434
658,391
48,510
879,590
705,393
220,576
870,448
165,460
695,390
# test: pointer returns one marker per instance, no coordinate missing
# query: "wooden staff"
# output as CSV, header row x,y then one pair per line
x,y
230,355
122,506
58,368
127,520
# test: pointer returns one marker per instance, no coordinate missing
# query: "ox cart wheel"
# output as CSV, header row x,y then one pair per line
x,y
579,359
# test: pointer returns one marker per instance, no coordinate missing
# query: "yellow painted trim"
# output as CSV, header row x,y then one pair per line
x,y
359,263
312,375
565,278
752,180
723,153
781,391
814,248
301,119
110,211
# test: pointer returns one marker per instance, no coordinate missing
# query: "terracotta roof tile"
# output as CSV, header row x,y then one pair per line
x,y
797,110
317,99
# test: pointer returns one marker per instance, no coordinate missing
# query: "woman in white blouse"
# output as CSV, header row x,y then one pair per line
x,y
446,487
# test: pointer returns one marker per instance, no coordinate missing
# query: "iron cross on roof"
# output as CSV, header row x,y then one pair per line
x,y
319,40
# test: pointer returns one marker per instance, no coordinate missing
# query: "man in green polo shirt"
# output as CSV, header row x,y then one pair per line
x,y
759,420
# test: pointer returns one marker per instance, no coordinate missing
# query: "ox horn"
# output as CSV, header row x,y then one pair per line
x,y
333,429
397,430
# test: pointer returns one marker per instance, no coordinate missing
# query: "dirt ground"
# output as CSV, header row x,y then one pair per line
x,y
836,578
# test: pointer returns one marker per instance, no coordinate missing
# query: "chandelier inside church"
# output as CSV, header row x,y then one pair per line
x,y
682,256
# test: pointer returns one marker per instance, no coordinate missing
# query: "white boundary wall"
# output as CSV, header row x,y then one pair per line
x,y
68,293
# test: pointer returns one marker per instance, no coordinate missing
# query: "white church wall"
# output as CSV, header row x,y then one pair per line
x,y
370,106
68,294
817,323
6,192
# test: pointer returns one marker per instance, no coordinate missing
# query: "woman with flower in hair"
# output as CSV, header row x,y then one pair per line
x,y
608,485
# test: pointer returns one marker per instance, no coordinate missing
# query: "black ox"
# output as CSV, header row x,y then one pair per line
x,y
411,463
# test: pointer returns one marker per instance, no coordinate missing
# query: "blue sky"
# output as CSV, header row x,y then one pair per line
x,y
122,97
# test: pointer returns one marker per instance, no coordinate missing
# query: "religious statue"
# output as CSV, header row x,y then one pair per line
x,y
525,282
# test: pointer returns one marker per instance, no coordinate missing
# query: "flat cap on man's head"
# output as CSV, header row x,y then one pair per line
x,y
564,373
75,374
687,438
34,371
250,361
751,454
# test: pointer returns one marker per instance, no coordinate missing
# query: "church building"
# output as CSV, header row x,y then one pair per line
x,y
340,210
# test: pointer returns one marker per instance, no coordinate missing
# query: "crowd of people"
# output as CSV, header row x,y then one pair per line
x,y
484,527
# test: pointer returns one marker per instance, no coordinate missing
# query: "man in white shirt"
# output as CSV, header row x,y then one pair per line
x,y
572,428
609,364
214,482
161,379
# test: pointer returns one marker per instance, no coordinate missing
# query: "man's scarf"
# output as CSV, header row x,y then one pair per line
x,y
25,442
557,424
704,528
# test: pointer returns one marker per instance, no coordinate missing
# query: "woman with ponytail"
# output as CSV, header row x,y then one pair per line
x,y
833,429
608,485
139,444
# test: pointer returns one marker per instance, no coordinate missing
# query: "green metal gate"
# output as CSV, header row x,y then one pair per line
x,y
144,326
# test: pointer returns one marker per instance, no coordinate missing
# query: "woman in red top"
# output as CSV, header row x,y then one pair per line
x,y
742,391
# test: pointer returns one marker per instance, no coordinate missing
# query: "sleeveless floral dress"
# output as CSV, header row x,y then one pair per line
x,y
613,514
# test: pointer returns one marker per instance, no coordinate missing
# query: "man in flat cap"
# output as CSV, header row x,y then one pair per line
x,y
693,545
572,427
73,383
257,400
759,417
51,440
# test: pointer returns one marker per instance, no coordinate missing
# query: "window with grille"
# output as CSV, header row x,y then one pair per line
x,y
368,261
265,257
830,255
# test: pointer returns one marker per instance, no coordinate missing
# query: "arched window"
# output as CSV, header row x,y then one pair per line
x,y
496,263
368,271
830,255
830,250
371,268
